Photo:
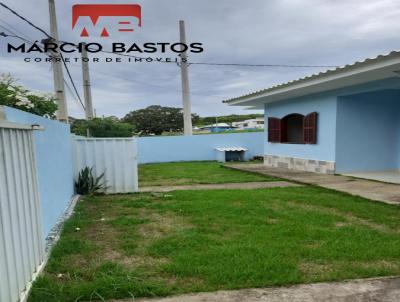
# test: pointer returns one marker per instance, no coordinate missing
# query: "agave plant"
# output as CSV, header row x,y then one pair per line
x,y
88,184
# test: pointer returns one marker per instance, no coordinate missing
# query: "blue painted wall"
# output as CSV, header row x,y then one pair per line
x,y
368,132
325,105
358,126
196,147
54,163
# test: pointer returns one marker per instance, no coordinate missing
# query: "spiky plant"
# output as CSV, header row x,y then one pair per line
x,y
88,184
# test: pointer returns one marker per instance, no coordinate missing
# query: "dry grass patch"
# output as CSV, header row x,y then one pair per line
x,y
315,270
351,219
143,226
160,225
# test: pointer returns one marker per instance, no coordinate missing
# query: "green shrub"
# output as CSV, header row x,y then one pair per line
x,y
17,96
102,127
88,184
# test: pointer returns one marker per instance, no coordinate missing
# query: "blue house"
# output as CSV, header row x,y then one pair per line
x,y
344,121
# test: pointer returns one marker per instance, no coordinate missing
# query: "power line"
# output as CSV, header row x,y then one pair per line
x,y
3,34
24,19
130,80
72,93
72,81
165,61
262,65
13,29
64,63
78,99
50,37
225,64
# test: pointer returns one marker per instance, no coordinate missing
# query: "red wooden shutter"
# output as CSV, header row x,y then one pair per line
x,y
274,130
310,128
284,131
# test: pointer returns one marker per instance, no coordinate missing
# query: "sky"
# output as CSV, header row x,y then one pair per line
x,y
292,32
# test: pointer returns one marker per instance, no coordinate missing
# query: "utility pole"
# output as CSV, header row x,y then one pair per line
x,y
86,84
187,111
59,88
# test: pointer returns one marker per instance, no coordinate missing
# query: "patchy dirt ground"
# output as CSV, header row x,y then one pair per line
x,y
245,185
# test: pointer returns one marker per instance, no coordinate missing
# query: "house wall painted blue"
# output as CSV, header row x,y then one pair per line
x,y
368,132
358,127
54,163
325,105
196,147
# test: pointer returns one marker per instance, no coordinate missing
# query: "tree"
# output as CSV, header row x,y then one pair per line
x,y
16,96
157,119
102,127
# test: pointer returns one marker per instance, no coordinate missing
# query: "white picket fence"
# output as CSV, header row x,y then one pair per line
x,y
115,157
21,239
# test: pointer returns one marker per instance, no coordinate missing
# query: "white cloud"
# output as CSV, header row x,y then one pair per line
x,y
316,32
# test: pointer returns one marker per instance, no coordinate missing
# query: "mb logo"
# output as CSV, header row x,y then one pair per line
x,y
105,19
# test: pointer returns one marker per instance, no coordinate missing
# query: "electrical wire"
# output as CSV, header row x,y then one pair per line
x,y
3,34
71,92
72,81
164,61
49,36
263,65
147,84
13,30
64,63
224,64
26,20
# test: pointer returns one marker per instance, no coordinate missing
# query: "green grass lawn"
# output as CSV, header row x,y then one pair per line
x,y
188,241
186,173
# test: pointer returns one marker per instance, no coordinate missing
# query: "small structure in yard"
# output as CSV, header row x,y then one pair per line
x,y
344,120
230,154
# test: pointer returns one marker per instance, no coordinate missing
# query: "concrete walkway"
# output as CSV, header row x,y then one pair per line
x,y
243,185
388,193
382,290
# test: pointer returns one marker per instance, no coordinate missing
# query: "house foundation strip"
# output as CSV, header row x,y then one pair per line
x,y
308,165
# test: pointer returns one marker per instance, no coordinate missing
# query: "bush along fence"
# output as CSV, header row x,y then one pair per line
x,y
40,161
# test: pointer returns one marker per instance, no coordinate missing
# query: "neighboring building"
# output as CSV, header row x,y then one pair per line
x,y
253,124
345,120
218,127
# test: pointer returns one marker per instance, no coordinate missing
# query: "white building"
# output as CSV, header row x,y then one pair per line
x,y
257,123
219,127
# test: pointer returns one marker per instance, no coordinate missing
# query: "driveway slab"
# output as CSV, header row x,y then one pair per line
x,y
384,192
382,290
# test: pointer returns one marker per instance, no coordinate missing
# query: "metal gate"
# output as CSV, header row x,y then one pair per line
x,y
21,238
115,157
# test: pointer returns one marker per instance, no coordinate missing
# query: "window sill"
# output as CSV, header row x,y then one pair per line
x,y
301,144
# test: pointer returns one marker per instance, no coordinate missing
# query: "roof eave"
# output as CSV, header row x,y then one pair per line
x,y
347,76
